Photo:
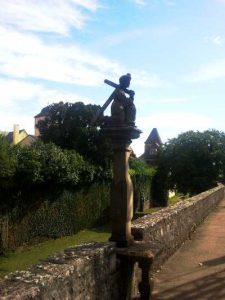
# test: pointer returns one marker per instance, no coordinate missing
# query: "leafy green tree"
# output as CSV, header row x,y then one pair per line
x,y
194,161
68,125
28,170
7,163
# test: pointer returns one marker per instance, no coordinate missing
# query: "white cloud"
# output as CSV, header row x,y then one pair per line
x,y
23,120
32,58
144,79
25,55
140,2
14,91
210,71
88,4
55,16
169,125
144,2
180,121
21,101
216,40
54,62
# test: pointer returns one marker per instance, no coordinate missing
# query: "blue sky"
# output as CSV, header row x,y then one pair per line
x,y
62,50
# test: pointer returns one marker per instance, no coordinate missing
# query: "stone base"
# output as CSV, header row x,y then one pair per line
x,y
139,254
122,133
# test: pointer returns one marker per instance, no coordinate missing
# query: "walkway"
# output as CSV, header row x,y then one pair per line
x,y
197,270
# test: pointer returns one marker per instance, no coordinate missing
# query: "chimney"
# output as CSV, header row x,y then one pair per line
x,y
16,132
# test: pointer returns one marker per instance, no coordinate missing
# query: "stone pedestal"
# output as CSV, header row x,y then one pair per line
x,y
122,189
138,253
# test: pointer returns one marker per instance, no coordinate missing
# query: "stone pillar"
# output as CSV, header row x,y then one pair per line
x,y
122,189
121,196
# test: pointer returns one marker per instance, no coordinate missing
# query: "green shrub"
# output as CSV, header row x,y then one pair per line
x,y
70,212
7,163
141,176
47,163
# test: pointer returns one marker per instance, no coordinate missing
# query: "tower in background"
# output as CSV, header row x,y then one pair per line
x,y
152,145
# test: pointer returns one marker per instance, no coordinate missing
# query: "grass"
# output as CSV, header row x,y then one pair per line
x,y
151,210
178,197
24,257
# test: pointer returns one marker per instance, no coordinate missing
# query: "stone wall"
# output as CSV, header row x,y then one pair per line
x,y
168,228
92,271
83,272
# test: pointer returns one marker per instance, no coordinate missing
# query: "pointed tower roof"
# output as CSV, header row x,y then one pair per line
x,y
154,137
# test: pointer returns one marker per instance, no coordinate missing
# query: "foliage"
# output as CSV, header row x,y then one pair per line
x,y
71,211
159,189
44,164
141,176
50,192
47,163
7,162
68,125
171,201
139,167
194,161
41,168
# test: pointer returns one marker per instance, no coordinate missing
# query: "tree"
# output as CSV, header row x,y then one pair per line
x,y
68,125
48,164
7,163
194,161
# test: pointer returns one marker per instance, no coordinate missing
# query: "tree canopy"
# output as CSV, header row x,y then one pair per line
x,y
68,125
7,162
194,161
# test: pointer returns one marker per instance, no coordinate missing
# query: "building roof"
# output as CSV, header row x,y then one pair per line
x,y
9,136
28,140
154,137
44,112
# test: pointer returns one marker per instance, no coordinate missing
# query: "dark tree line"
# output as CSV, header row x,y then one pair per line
x,y
68,125
194,161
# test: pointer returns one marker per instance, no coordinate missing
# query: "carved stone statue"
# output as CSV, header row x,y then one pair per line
x,y
121,130
123,110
